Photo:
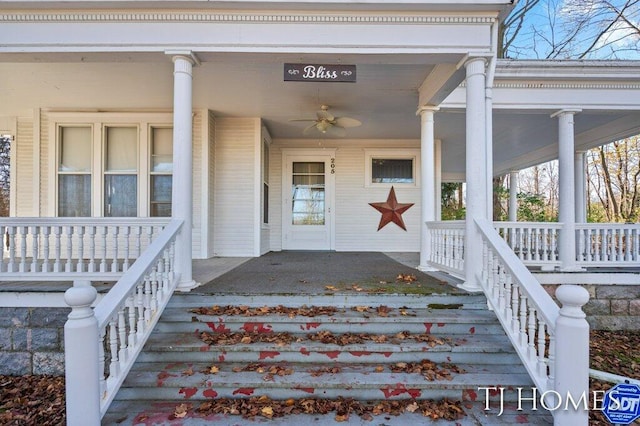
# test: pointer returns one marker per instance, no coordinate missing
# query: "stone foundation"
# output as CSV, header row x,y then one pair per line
x,y
32,340
611,307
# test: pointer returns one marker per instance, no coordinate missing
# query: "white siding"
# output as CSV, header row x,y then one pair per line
x,y
235,187
24,173
197,186
211,188
356,222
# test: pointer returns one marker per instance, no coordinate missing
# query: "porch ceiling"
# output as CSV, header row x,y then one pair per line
x,y
384,99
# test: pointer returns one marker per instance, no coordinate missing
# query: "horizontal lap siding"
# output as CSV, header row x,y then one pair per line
x,y
235,187
24,173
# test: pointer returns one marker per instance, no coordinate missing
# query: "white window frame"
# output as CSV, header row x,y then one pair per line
x,y
99,121
391,154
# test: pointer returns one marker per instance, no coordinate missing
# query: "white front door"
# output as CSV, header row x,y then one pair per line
x,y
308,185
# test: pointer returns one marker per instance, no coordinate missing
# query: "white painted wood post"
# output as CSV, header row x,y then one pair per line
x,y
513,196
427,184
572,356
82,374
566,207
182,191
581,190
476,196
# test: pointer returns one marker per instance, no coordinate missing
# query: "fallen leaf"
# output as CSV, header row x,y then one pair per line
x,y
412,407
267,412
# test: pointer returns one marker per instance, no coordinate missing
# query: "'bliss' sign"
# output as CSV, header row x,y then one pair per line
x,y
322,73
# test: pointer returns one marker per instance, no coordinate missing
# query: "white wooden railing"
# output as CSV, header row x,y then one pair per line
x,y
552,342
608,244
102,344
447,246
536,244
67,248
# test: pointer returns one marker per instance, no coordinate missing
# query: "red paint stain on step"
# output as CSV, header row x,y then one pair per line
x,y
472,330
268,354
428,326
220,327
522,419
205,348
209,393
162,376
222,356
331,354
311,325
305,352
256,327
399,389
307,390
188,392
495,390
469,395
244,391
441,324
360,353
386,354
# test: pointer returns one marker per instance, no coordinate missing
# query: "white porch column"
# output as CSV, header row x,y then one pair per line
x,y
581,187
428,181
182,192
476,174
513,196
566,208
438,183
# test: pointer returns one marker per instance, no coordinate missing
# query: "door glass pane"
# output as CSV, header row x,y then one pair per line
x,y
308,193
74,195
120,196
75,149
122,148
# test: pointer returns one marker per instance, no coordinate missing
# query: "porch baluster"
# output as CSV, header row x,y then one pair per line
x,y
523,320
57,237
131,309
91,230
147,299
80,265
45,249
140,306
114,263
122,336
153,278
102,362
23,248
542,345
127,243
531,332
103,258
69,254
35,230
508,284
114,365
138,236
515,298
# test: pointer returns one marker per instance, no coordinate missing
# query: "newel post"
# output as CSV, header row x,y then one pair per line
x,y
572,357
81,357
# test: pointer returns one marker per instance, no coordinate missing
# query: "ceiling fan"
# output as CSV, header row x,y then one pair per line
x,y
326,123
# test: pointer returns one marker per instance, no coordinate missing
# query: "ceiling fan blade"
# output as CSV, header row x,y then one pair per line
x,y
303,119
336,131
347,122
308,129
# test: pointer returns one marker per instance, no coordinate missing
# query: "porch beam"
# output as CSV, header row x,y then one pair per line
x,y
428,182
476,173
182,188
566,208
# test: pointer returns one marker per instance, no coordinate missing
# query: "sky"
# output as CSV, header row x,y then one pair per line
x,y
564,29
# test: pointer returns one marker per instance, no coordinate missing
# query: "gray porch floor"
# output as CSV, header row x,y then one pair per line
x,y
319,272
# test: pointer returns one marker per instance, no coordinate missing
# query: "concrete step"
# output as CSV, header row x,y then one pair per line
x,y
161,413
359,381
339,300
345,320
188,347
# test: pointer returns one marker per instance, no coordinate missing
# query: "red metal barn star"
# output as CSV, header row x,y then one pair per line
x,y
391,210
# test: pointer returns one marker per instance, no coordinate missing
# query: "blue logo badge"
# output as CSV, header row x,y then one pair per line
x,y
621,404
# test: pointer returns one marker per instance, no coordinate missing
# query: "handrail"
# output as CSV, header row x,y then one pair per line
x,y
120,323
552,342
66,248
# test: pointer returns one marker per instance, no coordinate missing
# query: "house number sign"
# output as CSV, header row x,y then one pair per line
x,y
320,72
333,166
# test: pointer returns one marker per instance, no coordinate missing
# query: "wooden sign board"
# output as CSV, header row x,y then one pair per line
x,y
320,73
